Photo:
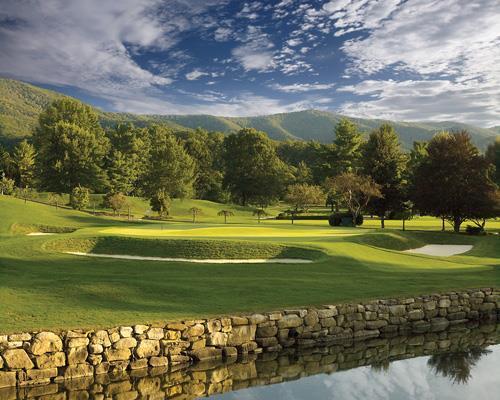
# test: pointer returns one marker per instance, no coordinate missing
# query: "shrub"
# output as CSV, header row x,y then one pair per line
x,y
6,185
344,219
335,220
474,230
79,198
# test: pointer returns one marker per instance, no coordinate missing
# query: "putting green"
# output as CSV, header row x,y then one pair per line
x,y
235,231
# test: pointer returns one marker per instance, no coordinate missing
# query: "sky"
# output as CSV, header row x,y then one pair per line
x,y
395,59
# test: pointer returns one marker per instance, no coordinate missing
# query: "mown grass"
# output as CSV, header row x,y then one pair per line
x,y
181,248
43,288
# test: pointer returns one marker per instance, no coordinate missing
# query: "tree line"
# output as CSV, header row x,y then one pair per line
x,y
70,152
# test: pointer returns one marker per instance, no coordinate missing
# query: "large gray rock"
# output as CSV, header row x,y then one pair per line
x,y
46,342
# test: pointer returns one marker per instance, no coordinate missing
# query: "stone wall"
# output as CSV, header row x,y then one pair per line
x,y
466,341
46,357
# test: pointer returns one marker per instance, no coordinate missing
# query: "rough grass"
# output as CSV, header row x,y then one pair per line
x,y
179,248
42,289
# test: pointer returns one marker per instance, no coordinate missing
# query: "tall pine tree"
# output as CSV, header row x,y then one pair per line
x,y
384,162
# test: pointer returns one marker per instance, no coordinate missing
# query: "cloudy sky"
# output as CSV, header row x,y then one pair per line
x,y
397,59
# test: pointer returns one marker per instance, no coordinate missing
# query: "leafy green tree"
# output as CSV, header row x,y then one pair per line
x,y
206,150
253,171
493,156
161,202
195,211
25,193
301,196
115,201
71,147
171,169
6,163
313,154
225,214
259,213
6,185
333,200
24,161
355,191
453,180
385,163
127,161
55,199
79,197
347,147
303,173
417,155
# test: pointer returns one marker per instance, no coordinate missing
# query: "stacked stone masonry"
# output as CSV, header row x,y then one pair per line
x,y
36,358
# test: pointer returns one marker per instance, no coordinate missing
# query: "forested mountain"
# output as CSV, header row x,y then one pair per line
x,y
20,104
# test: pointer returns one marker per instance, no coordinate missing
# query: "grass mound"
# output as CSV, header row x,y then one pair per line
x,y
400,241
196,249
24,229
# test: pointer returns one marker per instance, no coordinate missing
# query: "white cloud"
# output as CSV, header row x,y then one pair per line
x,y
302,87
222,34
437,100
452,48
91,44
245,104
256,53
195,74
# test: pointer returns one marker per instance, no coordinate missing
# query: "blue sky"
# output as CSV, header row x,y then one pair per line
x,y
396,59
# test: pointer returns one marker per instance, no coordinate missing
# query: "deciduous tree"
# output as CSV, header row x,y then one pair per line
x,y
355,191
195,211
79,197
253,171
225,214
454,180
171,169
71,147
160,202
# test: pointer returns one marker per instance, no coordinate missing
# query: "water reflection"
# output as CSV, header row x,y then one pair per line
x,y
463,362
457,365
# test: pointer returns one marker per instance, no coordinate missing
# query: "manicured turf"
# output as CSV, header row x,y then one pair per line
x,y
44,288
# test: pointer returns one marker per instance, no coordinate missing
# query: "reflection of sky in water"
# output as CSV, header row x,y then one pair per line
x,y
407,379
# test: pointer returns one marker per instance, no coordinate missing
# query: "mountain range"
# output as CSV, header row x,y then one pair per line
x,y
21,103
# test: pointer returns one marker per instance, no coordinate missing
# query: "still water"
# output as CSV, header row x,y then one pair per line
x,y
460,363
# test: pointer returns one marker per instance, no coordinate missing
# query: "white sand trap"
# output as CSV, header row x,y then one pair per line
x,y
441,250
199,260
39,234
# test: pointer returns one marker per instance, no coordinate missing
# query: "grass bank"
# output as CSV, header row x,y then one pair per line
x,y
43,288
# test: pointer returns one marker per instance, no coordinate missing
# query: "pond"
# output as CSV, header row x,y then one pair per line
x,y
460,363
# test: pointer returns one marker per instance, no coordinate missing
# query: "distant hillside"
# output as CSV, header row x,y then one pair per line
x,y
20,104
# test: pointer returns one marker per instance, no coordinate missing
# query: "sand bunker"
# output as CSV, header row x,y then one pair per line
x,y
199,261
441,250
39,234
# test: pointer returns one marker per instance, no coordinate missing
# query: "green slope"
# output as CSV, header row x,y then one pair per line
x,y
20,104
